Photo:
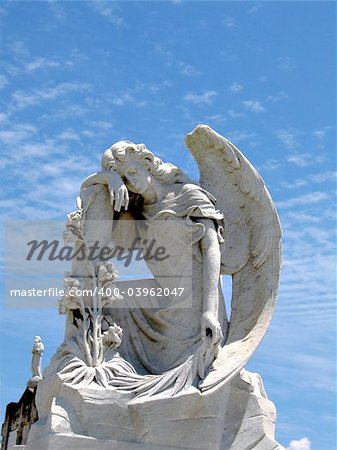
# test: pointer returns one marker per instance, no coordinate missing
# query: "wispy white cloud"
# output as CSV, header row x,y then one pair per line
x,y
67,110
89,134
3,81
309,259
254,8
188,70
77,55
277,98
69,135
165,54
236,87
108,10
253,106
98,128
288,138
305,314
205,98
101,124
321,133
311,179
322,177
18,49
300,182
16,134
240,136
57,10
24,99
301,444
305,199
40,149
219,118
127,97
45,64
156,87
235,114
3,118
305,159
229,22
326,215
285,63
306,307
300,216
301,160
23,61
310,233
50,163
272,164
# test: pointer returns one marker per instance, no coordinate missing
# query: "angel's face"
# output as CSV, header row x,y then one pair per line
x,y
134,173
136,177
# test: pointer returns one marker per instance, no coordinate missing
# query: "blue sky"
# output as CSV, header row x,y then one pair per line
x,y
77,76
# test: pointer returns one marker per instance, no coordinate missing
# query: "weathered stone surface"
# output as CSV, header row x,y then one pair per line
x,y
232,416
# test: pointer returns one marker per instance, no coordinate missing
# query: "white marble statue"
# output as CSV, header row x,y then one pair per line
x,y
37,351
178,356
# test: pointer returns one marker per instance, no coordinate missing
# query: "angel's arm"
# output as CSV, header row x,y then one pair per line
x,y
211,258
119,195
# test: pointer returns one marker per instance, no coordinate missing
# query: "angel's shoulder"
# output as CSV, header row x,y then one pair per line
x,y
198,190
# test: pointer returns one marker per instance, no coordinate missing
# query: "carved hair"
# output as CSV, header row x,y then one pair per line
x,y
163,172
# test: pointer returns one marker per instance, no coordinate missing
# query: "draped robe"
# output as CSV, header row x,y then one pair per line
x,y
164,334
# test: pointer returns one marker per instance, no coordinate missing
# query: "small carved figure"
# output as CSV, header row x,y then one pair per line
x,y
37,351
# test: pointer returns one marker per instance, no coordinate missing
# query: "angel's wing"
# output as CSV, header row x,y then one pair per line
x,y
251,251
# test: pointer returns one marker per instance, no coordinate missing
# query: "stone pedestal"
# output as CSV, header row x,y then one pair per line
x,y
235,416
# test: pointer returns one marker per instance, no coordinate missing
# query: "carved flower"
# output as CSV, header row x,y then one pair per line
x,y
71,283
71,296
112,338
74,218
107,272
73,226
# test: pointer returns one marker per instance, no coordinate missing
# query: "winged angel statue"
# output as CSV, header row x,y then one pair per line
x,y
226,224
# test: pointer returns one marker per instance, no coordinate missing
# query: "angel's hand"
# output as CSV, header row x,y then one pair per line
x,y
119,195
210,326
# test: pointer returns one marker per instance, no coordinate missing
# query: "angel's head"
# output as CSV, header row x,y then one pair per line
x,y
138,166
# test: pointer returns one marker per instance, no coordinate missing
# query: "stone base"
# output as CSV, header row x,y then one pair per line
x,y
234,416
62,442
